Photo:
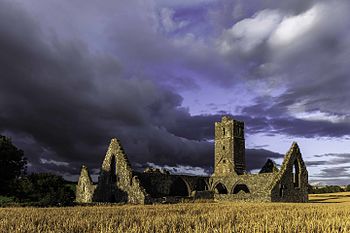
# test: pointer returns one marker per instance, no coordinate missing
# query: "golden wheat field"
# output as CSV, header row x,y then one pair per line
x,y
317,216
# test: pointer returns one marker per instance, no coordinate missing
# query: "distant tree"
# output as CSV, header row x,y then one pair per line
x,y
328,189
44,189
12,165
347,189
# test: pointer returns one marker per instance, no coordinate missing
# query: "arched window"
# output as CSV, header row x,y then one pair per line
x,y
179,188
296,174
220,189
113,170
240,187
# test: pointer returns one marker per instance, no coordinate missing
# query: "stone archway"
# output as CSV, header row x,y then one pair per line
x,y
220,188
240,187
201,185
179,188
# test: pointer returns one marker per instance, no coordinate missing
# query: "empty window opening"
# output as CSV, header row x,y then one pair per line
x,y
113,170
296,174
179,188
282,188
220,189
223,148
240,187
223,131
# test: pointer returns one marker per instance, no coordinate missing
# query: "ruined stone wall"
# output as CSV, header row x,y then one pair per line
x,y
116,182
162,185
289,186
85,188
137,194
257,184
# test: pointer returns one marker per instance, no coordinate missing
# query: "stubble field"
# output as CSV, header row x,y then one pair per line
x,y
325,213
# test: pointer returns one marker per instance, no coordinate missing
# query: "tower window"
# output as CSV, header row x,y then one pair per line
x,y
223,148
224,161
223,131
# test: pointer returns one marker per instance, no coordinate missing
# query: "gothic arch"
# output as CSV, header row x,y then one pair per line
x,y
296,170
240,187
220,188
201,185
179,187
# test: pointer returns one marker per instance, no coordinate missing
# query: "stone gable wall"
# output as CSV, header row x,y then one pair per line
x,y
116,182
85,188
159,185
284,180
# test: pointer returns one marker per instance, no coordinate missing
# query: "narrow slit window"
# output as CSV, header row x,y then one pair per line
x,y
282,190
296,174
113,170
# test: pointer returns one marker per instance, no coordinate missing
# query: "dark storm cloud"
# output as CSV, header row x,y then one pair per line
x,y
196,127
201,127
333,168
308,64
75,74
267,108
339,171
63,104
256,158
330,159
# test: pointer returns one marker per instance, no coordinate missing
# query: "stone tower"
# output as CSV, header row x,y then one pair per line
x,y
229,147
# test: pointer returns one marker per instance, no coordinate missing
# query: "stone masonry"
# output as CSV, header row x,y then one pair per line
x,y
118,182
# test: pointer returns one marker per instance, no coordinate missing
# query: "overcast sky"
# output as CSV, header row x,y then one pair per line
x,y
157,74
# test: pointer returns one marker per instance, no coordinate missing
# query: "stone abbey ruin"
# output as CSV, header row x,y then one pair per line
x,y
118,182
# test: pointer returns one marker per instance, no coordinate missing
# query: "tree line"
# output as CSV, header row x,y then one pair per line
x,y
35,189
328,189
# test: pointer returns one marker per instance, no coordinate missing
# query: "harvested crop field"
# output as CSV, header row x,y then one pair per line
x,y
187,217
